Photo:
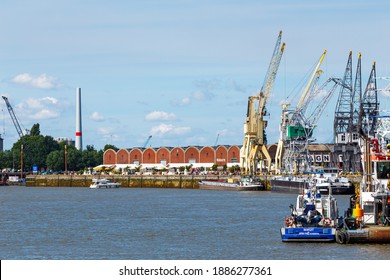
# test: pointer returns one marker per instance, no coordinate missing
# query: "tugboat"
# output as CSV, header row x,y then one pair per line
x,y
314,218
368,218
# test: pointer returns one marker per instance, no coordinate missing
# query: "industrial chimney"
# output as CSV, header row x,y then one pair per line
x,y
79,139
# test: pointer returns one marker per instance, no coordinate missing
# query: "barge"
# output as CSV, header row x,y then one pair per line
x,y
243,184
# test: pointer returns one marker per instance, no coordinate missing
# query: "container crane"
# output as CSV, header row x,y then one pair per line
x,y
13,117
254,147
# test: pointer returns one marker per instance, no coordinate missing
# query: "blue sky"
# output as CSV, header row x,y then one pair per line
x,y
180,71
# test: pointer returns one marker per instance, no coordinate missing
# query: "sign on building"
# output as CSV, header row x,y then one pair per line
x,y
326,158
318,158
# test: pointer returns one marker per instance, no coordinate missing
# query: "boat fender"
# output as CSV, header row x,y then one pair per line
x,y
342,237
327,222
289,221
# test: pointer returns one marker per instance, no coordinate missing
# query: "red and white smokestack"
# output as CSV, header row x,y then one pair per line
x,y
79,139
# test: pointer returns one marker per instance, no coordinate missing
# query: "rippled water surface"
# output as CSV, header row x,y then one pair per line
x,y
143,224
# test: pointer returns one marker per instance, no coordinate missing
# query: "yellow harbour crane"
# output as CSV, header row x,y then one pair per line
x,y
254,148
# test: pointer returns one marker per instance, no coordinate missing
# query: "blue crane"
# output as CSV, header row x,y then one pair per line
x,y
147,141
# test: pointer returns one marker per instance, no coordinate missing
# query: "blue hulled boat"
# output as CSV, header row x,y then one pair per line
x,y
313,218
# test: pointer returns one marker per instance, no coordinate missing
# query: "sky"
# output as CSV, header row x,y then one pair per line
x,y
181,71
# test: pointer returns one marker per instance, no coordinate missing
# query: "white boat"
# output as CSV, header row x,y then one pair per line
x,y
103,183
329,178
313,218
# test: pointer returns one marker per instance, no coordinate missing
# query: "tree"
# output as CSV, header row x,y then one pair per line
x,y
55,161
91,157
36,148
46,153
74,158
35,131
6,159
110,146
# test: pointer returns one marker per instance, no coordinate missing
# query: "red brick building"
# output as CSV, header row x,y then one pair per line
x,y
196,155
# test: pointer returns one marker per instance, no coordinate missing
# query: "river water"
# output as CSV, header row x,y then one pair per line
x,y
157,224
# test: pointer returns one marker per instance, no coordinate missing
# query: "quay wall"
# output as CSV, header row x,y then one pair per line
x,y
131,181
140,181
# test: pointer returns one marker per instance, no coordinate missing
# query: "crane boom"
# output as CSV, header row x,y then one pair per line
x,y
313,119
13,117
147,141
307,89
271,74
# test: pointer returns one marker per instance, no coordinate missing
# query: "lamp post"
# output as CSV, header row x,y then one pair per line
x,y
65,161
21,162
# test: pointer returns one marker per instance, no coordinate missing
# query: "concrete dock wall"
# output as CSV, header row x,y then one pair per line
x,y
132,181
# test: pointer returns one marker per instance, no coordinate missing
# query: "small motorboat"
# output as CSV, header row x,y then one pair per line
x,y
103,183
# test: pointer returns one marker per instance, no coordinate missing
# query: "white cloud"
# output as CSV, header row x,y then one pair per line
x,y
42,108
195,96
160,116
42,81
185,101
169,129
50,100
45,114
97,117
107,133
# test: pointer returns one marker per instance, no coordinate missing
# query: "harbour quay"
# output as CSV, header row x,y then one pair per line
x,y
126,181
142,181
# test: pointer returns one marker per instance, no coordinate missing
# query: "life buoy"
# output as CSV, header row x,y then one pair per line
x,y
327,222
289,221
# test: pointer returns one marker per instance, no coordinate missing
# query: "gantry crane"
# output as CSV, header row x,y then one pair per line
x,y
254,147
346,152
369,105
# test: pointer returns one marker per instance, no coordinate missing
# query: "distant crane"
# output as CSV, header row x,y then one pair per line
x,y
216,140
13,117
147,141
254,148
20,132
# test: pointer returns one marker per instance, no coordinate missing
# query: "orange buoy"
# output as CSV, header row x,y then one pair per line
x,y
358,212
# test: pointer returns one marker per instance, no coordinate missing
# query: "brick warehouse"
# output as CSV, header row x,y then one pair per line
x,y
220,155
200,155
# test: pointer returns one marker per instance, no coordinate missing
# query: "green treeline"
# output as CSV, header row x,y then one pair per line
x,y
48,154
